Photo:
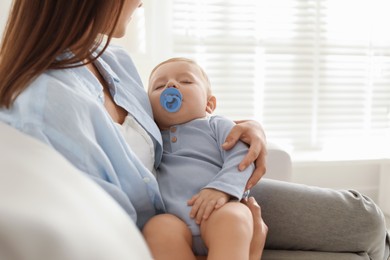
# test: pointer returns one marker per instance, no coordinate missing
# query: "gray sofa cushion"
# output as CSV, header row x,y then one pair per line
x,y
308,255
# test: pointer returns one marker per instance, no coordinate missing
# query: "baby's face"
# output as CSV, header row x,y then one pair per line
x,y
188,79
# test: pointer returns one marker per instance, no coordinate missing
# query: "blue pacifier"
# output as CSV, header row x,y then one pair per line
x,y
170,99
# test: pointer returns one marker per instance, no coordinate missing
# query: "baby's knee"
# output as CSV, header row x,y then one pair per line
x,y
234,219
163,225
235,213
239,210
163,221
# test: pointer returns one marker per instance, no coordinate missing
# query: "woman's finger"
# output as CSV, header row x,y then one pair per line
x,y
232,137
260,230
259,171
250,157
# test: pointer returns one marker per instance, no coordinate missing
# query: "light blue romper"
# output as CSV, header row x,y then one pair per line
x,y
192,160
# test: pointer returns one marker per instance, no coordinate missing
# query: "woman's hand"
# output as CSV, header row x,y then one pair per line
x,y
205,202
251,133
260,229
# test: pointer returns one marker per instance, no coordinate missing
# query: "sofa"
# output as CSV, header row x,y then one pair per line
x,y
50,210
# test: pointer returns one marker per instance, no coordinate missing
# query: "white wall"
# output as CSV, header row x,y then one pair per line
x,y
4,7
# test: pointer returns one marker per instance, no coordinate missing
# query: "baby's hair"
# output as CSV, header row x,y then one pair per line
x,y
177,59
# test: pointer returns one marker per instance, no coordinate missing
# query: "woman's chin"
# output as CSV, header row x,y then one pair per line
x,y
118,35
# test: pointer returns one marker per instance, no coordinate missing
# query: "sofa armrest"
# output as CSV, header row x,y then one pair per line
x,y
51,210
278,163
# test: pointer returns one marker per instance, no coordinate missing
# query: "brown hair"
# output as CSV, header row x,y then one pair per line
x,y
38,31
176,59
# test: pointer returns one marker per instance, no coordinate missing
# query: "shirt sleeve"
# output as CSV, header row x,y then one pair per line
x,y
65,109
229,179
113,190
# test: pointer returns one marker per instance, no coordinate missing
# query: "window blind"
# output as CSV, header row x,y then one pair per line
x,y
316,73
220,35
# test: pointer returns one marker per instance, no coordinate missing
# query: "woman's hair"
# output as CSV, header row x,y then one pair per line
x,y
38,31
190,61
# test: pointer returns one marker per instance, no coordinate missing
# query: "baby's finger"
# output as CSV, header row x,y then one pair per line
x,y
191,201
211,205
220,202
195,208
200,213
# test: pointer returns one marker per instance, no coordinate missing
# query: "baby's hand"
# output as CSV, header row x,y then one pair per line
x,y
205,202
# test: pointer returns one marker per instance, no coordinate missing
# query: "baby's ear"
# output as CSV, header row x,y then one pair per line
x,y
211,104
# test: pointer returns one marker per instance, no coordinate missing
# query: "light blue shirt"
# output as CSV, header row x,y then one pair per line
x,y
64,108
193,160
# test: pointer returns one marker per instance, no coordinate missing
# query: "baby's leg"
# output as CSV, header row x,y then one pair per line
x,y
168,237
228,232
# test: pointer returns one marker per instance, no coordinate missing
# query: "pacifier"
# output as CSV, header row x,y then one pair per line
x,y
170,99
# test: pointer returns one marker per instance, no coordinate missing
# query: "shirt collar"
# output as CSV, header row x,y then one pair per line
x,y
68,54
107,69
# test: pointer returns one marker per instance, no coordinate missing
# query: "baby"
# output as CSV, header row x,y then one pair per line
x,y
199,181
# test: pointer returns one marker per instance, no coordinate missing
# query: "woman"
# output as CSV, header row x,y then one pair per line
x,y
63,84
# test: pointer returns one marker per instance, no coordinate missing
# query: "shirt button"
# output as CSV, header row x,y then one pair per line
x,y
174,139
173,129
146,179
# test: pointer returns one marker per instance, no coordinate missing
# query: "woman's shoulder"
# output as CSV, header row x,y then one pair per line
x,y
48,78
51,91
117,49
119,60
54,82
39,87
29,107
116,54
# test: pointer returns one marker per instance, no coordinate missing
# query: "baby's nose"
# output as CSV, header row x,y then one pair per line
x,y
171,85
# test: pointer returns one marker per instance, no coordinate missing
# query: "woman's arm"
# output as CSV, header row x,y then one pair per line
x,y
251,133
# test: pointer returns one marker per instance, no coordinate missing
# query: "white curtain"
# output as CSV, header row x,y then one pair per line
x,y
316,73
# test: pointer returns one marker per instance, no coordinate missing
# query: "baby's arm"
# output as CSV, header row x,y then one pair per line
x,y
204,203
229,182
